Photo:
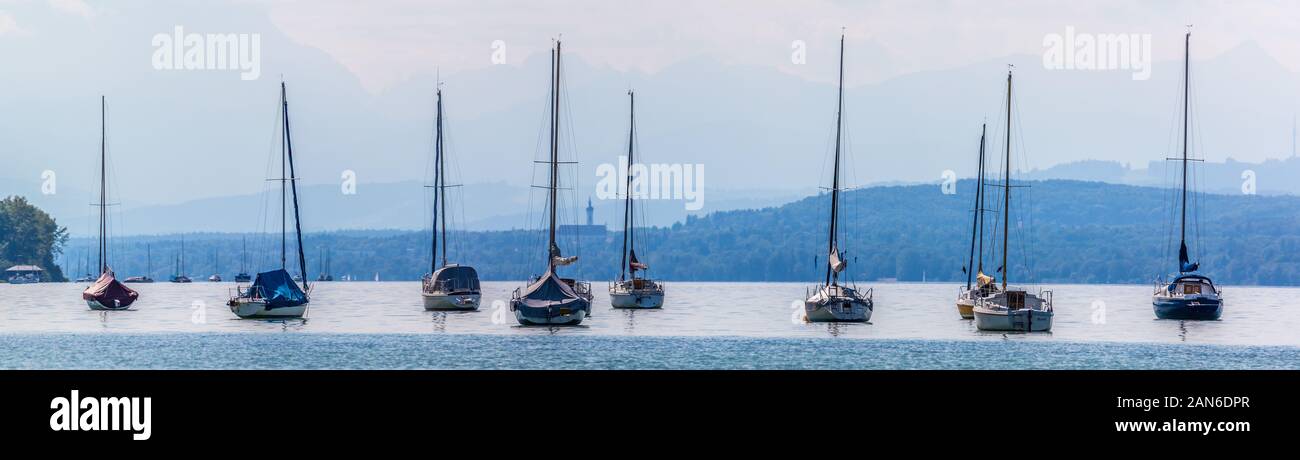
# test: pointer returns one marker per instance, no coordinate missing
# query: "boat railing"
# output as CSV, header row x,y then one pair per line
x,y
581,287
1047,299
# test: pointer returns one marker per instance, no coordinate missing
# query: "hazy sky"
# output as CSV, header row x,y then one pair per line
x,y
384,42
718,80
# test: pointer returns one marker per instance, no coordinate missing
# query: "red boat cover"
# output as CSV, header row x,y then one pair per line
x,y
110,292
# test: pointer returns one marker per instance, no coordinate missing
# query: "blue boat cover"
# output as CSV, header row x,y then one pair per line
x,y
549,291
278,288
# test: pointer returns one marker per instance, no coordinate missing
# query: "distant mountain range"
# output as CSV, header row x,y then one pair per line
x,y
500,206
1271,177
401,206
1066,231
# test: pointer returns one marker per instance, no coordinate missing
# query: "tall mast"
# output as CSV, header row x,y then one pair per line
x,y
627,208
103,186
148,260
831,275
1187,42
555,149
243,255
442,178
437,182
1006,191
284,115
977,219
983,196
293,186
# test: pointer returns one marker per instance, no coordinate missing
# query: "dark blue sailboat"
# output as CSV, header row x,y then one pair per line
x,y
275,293
551,299
1190,296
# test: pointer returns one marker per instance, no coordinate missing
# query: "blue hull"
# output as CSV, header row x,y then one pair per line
x,y
1198,310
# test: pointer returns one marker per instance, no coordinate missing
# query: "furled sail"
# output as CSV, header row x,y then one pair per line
x,y
635,264
558,259
837,264
1183,263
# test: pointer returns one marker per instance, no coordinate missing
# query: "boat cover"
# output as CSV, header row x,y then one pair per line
x,y
456,278
548,291
110,292
1191,279
278,289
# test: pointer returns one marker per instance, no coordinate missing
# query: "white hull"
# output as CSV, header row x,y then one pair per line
x,y
1013,320
635,299
257,309
440,301
838,304
853,311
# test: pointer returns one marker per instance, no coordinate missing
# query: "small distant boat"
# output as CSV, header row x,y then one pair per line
x,y
449,286
1190,296
983,284
1012,309
325,268
107,293
85,268
831,301
216,267
180,276
549,299
149,271
630,291
243,276
274,293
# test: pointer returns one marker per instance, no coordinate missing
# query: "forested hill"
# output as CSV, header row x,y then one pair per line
x,y
1075,232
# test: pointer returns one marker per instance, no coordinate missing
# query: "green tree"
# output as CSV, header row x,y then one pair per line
x,y
29,236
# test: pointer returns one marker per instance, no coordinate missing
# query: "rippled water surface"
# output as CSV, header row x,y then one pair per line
x,y
916,324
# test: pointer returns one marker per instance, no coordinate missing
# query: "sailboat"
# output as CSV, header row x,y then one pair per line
x,y
107,293
180,276
550,299
1190,296
832,301
983,285
1012,308
446,286
147,277
243,276
216,268
325,268
630,291
274,293
85,268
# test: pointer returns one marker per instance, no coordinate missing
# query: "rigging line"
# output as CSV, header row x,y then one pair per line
x,y
1025,237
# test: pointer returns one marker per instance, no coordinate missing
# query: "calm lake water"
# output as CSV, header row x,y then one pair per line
x,y
703,325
